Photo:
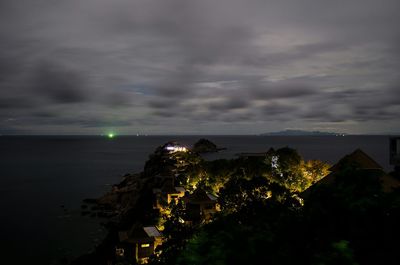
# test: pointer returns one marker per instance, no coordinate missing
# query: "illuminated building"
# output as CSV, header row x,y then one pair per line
x,y
138,243
167,193
200,206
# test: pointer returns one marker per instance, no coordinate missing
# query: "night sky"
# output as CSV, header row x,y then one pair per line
x,y
199,67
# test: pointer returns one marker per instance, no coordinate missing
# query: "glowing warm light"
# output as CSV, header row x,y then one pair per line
x,y
145,245
173,149
120,252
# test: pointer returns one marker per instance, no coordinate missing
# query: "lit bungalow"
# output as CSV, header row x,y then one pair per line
x,y
138,243
200,206
167,193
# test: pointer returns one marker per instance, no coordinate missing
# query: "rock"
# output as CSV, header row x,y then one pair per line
x,y
205,146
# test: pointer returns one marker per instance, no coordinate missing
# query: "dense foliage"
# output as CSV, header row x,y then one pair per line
x,y
263,220
291,170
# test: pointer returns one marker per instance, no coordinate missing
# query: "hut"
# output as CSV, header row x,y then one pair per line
x,y
200,206
138,243
361,163
167,193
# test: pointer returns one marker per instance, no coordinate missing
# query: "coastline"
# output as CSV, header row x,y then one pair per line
x,y
85,174
113,206
130,201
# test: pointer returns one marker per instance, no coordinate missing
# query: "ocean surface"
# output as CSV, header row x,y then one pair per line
x,y
43,180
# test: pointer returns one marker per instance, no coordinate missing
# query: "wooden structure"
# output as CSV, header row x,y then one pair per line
x,y
138,243
200,206
363,164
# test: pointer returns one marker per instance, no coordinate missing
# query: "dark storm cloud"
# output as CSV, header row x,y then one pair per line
x,y
14,103
161,104
235,95
8,68
267,90
178,88
117,99
324,114
178,64
57,119
229,104
393,95
278,110
360,105
44,114
225,117
165,113
297,53
59,85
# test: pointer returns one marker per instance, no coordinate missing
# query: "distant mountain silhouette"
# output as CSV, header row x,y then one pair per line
x,y
301,133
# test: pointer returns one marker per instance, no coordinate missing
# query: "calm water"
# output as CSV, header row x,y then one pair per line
x,y
44,179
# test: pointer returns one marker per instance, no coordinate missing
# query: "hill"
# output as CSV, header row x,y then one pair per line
x,y
301,133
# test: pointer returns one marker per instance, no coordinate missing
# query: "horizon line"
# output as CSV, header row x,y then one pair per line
x,y
261,134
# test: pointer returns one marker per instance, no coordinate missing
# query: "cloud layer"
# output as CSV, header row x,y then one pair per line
x,y
216,67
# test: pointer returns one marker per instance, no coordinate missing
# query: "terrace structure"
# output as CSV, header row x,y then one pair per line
x,y
200,206
138,244
167,193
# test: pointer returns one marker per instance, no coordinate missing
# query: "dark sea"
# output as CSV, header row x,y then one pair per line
x,y
43,180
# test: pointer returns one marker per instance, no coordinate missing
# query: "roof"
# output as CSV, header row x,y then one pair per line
x,y
139,234
180,189
358,159
200,196
212,197
365,165
330,178
152,231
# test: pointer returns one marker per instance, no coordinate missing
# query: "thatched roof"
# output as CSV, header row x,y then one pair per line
x,y
364,165
200,196
358,159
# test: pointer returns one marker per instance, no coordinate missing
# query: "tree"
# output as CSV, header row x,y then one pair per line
x,y
176,234
289,169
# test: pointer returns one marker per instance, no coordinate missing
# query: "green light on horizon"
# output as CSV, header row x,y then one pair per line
x,y
110,135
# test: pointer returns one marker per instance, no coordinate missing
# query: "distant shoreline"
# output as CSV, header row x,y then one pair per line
x,y
183,135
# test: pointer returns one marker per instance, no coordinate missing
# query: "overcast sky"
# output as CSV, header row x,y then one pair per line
x,y
199,66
